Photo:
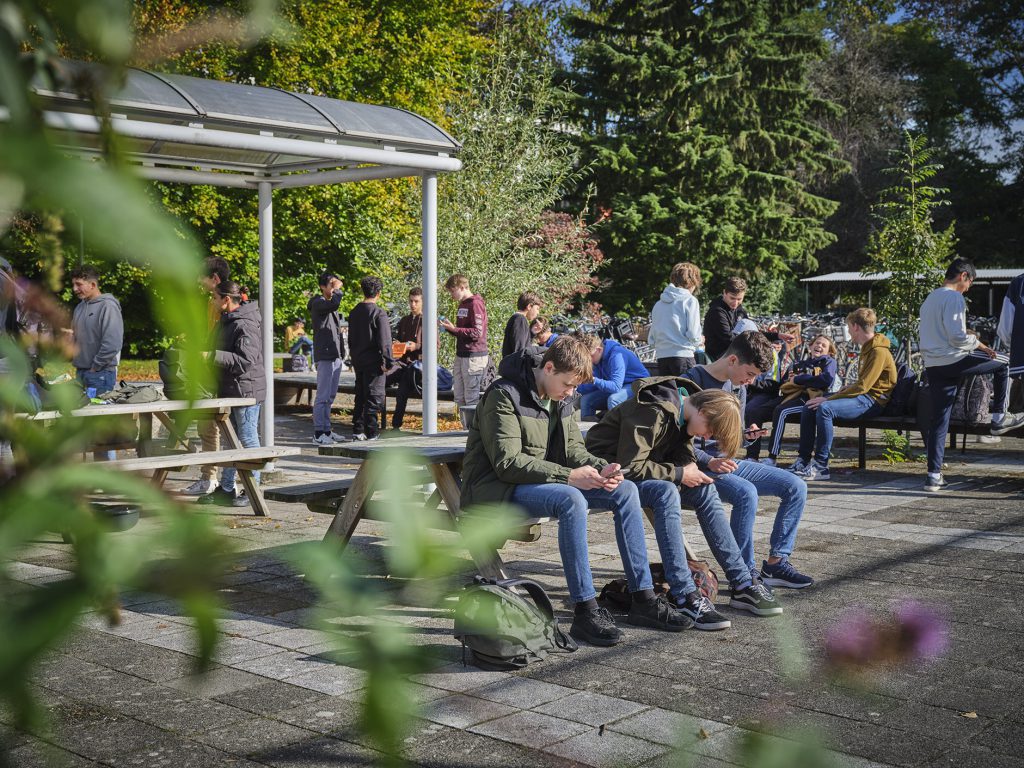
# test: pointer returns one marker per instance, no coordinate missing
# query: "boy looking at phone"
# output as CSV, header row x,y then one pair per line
x,y
525,448
740,483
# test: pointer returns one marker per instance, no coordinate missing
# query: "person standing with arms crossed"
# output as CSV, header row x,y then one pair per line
x,y
328,352
470,332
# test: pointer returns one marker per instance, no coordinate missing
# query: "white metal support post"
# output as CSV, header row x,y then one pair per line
x,y
429,242
266,229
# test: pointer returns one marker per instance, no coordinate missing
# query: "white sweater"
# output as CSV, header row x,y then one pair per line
x,y
675,323
944,338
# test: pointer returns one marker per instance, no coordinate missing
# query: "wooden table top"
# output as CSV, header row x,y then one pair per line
x,y
436,449
157,406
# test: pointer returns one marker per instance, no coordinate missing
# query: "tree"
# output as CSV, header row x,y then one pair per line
x,y
696,126
907,244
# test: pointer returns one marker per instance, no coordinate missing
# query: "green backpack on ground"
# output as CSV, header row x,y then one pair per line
x,y
502,629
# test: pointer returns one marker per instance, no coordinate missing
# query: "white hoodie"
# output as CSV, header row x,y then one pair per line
x,y
675,323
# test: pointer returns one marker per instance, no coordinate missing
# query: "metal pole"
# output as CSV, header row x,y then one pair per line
x,y
807,299
266,228
869,296
991,304
429,241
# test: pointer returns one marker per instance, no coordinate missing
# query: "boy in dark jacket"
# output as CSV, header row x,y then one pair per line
x,y
239,359
525,448
517,330
409,334
723,313
651,436
369,343
328,352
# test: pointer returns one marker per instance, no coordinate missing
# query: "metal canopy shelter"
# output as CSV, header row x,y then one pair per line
x,y
194,131
989,277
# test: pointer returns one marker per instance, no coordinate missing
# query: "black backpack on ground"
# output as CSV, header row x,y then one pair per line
x,y
504,630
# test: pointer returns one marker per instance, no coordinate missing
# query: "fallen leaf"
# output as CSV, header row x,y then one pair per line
x,y
702,734
233,634
969,715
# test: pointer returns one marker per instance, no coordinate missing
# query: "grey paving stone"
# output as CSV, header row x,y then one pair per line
x,y
607,750
436,746
972,756
109,738
270,697
455,677
258,734
530,729
216,682
522,692
664,727
331,679
336,716
591,708
174,710
294,638
34,753
459,711
170,751
937,722
320,753
283,664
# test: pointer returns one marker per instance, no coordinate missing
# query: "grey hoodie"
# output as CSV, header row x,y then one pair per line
x,y
675,323
99,333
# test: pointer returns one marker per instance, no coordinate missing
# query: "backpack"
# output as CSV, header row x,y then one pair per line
x,y
502,629
972,400
298,364
445,378
172,374
616,592
903,399
131,393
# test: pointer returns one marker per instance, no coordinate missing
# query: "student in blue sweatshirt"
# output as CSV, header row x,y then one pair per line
x,y
615,369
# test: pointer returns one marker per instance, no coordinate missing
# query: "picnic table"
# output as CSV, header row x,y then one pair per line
x,y
306,382
161,462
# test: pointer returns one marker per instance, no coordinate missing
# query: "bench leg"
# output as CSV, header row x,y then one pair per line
x,y
351,510
488,563
259,504
862,448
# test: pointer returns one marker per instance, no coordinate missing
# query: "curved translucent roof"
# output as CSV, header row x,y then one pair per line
x,y
181,128
213,103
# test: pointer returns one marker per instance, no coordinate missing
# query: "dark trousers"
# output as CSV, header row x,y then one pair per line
x,y
404,379
674,366
369,401
760,409
942,385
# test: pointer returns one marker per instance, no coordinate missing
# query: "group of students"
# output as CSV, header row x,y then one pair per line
x,y
669,442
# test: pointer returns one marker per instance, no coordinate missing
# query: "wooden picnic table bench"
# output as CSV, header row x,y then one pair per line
x,y
300,383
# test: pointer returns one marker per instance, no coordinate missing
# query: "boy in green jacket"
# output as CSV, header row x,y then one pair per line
x,y
525,448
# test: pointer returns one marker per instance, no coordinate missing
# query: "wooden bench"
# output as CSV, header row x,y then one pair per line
x,y
299,383
323,498
245,460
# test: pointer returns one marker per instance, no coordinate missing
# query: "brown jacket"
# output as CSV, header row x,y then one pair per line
x,y
876,373
643,434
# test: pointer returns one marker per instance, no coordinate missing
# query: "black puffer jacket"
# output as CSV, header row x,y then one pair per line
x,y
239,354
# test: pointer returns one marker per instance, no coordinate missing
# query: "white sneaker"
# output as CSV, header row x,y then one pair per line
x,y
1009,422
359,436
339,438
988,439
324,439
798,466
769,462
200,488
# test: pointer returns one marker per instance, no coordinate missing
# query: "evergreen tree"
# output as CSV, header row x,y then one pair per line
x,y
699,129
907,244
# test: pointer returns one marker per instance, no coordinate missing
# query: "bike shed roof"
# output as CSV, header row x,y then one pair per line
x,y
181,128
994,276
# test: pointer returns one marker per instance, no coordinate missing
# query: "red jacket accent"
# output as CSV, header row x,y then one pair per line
x,y
471,327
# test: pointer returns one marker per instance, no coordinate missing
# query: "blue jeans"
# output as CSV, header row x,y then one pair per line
x,y
742,489
302,346
328,372
706,502
103,381
816,425
247,423
662,497
571,506
592,402
943,381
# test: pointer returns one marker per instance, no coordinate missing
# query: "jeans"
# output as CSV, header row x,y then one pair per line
x,y
714,523
328,372
103,381
742,489
302,346
570,506
662,497
674,366
816,425
247,423
942,385
591,402
369,401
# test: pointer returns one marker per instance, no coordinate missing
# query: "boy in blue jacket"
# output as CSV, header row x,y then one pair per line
x,y
615,369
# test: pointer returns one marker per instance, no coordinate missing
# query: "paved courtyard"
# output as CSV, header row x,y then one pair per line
x,y
125,695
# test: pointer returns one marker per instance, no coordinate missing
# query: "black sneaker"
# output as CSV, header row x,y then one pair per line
x,y
783,574
756,599
702,613
658,614
596,627
241,500
219,497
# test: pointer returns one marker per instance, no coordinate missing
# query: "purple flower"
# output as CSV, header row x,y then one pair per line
x,y
853,640
925,632
913,632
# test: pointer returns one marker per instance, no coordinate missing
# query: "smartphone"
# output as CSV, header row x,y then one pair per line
x,y
442,319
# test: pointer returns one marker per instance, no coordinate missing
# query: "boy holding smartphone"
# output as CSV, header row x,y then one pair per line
x,y
741,483
525,448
